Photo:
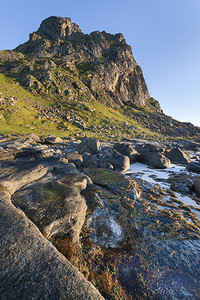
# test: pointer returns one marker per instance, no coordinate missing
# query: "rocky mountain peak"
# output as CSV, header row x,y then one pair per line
x,y
104,62
55,28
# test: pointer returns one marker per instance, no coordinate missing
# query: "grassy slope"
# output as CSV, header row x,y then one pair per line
x,y
55,96
22,117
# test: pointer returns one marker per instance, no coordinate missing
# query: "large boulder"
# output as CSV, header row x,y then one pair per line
x,y
176,155
60,207
90,145
127,150
114,181
31,267
194,166
75,158
197,185
120,162
67,168
53,140
23,176
32,138
150,148
90,160
154,159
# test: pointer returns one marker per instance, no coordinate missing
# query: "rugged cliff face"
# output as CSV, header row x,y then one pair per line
x,y
105,62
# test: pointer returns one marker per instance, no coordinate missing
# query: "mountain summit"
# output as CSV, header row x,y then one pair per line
x,y
112,73
55,28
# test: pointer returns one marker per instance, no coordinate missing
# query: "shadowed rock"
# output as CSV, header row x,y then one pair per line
x,y
194,167
154,159
127,150
197,185
176,155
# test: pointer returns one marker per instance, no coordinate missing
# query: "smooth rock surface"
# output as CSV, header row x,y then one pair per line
x,y
176,155
90,145
31,267
120,162
127,150
154,159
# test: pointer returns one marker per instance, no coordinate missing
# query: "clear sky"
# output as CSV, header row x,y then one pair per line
x,y
164,36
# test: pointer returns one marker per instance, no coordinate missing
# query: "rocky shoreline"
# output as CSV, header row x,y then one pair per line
x,y
114,228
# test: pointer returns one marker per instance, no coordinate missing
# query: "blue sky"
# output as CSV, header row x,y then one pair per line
x,y
164,36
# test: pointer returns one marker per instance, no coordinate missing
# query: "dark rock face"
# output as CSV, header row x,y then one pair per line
x,y
120,162
197,185
55,28
194,167
107,57
154,159
127,150
150,148
177,155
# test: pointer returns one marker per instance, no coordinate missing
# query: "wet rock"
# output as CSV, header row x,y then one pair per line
x,y
90,145
180,188
176,155
194,167
181,182
154,159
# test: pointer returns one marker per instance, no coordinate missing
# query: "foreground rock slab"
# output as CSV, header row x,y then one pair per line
x,y
31,267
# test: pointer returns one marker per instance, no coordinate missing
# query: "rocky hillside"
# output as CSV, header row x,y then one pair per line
x,y
65,82
112,75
